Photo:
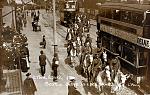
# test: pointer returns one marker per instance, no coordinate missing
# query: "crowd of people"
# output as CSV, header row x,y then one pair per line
x,y
92,61
79,44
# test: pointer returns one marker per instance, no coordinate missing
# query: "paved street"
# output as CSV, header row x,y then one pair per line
x,y
45,85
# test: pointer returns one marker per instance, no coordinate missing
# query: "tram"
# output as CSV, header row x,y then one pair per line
x,y
68,9
125,29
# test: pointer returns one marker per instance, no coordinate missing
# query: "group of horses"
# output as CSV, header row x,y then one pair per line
x,y
76,36
78,47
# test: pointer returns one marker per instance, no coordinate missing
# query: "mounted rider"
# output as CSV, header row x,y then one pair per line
x,y
88,40
96,66
115,66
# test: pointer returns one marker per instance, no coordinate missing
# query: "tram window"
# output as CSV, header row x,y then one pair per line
x,y
147,20
108,13
137,19
106,43
116,15
142,59
115,47
126,16
102,13
129,54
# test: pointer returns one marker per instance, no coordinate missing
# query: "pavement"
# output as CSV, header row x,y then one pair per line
x,y
45,85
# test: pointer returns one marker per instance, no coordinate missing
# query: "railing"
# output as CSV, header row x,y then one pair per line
x,y
13,80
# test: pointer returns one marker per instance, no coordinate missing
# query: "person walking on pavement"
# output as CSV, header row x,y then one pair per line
x,y
29,85
44,42
55,64
42,62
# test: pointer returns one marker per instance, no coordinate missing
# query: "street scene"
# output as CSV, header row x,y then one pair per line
x,y
74,47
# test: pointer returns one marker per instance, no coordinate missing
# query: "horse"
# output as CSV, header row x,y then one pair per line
x,y
88,47
87,62
79,45
119,81
73,53
103,79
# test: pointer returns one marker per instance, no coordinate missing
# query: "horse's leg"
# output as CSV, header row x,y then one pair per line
x,y
88,77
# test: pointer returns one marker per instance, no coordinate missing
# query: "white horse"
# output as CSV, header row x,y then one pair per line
x,y
79,46
103,79
119,81
73,53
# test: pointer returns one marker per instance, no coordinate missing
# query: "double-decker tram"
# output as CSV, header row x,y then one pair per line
x,y
125,29
68,9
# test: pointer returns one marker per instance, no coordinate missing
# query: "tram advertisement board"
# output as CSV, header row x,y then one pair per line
x,y
143,42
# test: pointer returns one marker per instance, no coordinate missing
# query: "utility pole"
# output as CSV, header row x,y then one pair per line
x,y
54,28
1,21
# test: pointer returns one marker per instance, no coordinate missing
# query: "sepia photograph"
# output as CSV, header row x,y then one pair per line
x,y
74,47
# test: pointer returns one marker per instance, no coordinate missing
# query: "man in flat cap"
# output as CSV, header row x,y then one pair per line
x,y
29,85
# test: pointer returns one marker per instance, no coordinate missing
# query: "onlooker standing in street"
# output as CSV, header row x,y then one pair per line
x,y
55,64
29,85
42,62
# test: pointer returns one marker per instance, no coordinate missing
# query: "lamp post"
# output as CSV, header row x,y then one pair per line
x,y
54,28
1,69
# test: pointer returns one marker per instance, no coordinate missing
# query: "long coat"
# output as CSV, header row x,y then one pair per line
x,y
29,86
42,59
55,66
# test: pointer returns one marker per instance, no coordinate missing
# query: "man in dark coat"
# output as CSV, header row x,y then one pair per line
x,y
96,66
55,64
29,85
42,62
115,66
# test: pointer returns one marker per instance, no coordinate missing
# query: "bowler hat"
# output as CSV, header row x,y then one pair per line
x,y
28,74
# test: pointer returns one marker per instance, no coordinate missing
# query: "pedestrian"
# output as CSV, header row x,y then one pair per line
x,y
44,42
42,62
55,64
38,12
27,12
72,90
24,22
29,85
